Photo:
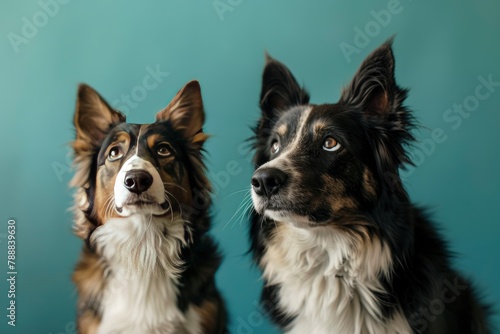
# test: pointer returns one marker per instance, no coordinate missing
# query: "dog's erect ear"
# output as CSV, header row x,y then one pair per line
x,y
373,87
185,112
280,90
374,91
93,119
93,116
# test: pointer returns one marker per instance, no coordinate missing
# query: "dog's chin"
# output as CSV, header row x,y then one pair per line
x,y
275,212
285,216
142,207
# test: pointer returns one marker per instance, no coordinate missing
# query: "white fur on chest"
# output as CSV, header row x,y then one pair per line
x,y
143,255
327,279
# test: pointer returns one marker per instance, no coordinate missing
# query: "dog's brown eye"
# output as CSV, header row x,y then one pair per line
x,y
115,153
330,144
164,150
275,147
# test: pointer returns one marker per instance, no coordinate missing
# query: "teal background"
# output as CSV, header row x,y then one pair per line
x,y
441,48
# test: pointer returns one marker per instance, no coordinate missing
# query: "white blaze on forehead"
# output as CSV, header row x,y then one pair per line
x,y
284,156
122,194
137,142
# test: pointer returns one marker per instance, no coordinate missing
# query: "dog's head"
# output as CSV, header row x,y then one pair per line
x,y
320,164
125,169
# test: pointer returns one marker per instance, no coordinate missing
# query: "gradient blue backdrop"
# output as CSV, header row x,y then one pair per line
x,y
441,48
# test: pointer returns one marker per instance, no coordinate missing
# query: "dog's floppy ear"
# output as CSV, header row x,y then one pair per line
x,y
185,113
374,87
280,90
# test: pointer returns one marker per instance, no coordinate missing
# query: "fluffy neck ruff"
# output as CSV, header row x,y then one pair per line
x,y
329,279
143,245
143,255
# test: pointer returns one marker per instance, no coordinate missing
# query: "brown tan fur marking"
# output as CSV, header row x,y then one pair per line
x,y
89,280
282,129
208,312
318,127
369,182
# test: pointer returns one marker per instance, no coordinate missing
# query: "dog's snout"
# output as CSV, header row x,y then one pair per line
x,y
267,181
138,181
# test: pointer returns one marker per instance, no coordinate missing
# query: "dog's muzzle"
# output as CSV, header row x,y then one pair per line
x,y
268,181
268,187
137,181
139,187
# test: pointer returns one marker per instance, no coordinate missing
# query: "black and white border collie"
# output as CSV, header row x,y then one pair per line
x,y
142,208
341,246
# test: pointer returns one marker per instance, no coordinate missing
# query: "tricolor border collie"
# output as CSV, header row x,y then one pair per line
x,y
341,246
142,209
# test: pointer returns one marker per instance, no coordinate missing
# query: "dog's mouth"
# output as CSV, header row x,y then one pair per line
x,y
263,203
143,204
297,219
295,213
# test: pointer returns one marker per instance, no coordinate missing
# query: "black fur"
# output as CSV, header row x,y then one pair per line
x,y
374,128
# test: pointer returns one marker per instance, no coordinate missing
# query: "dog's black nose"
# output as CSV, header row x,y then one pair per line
x,y
267,181
138,181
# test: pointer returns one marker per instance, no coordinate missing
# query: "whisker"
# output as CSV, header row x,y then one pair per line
x,y
108,206
246,212
175,185
167,198
236,192
169,195
239,208
261,222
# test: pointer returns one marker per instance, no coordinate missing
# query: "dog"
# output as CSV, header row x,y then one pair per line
x,y
341,246
142,209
